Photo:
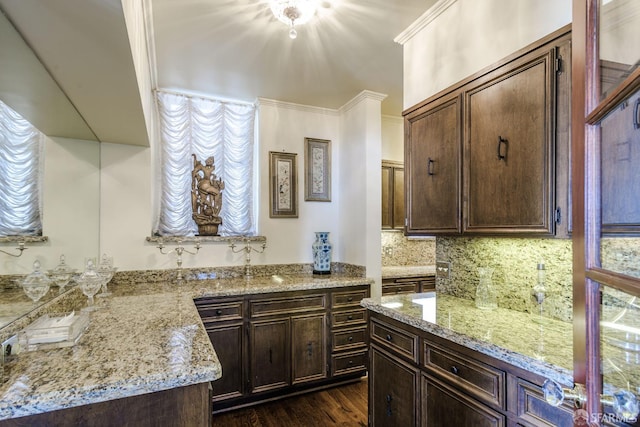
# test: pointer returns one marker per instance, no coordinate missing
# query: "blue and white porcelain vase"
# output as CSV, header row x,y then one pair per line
x,y
322,253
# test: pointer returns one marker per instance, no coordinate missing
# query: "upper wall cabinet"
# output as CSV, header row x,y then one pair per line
x,y
392,195
490,154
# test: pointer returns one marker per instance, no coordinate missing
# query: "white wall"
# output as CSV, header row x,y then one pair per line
x,y
470,35
71,206
393,138
361,176
352,217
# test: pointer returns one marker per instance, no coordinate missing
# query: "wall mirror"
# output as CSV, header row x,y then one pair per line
x,y
71,175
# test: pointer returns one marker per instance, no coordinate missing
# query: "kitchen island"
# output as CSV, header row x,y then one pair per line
x,y
144,358
438,360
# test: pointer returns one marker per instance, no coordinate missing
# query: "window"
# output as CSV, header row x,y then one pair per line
x,y
207,128
21,148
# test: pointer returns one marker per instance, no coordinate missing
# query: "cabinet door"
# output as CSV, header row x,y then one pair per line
x,y
309,348
508,151
398,198
444,406
433,169
393,391
620,172
270,352
229,345
387,194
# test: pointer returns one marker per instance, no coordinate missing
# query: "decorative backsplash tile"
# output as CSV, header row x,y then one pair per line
x,y
514,261
399,250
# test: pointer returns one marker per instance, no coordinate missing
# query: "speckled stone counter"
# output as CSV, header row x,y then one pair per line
x,y
408,271
523,340
145,338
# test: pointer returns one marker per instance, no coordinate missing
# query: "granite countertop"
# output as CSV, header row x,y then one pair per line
x,y
146,338
539,345
408,271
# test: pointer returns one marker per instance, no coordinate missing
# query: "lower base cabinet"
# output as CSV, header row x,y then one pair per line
x,y
419,379
279,344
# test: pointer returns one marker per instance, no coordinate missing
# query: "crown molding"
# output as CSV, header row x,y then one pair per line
x,y
365,94
297,107
429,16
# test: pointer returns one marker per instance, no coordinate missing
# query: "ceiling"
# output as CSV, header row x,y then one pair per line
x,y
230,49
237,49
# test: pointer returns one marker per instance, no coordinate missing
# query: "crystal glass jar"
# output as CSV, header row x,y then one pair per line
x,y
486,298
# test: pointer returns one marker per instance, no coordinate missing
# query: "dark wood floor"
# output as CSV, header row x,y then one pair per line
x,y
337,406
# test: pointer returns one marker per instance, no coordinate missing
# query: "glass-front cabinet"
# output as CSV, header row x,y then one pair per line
x,y
606,207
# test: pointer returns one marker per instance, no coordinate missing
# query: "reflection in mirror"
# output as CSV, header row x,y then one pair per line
x,y
619,35
620,136
70,174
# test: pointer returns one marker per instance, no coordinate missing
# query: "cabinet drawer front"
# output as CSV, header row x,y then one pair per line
x,y
351,317
399,288
349,338
348,298
348,362
402,342
534,409
271,306
219,311
484,382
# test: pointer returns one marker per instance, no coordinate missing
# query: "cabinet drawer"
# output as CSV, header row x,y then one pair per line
x,y
351,317
399,288
348,298
349,338
534,409
219,311
349,362
484,382
402,342
271,306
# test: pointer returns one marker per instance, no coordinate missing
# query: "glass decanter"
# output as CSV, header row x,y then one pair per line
x,y
486,298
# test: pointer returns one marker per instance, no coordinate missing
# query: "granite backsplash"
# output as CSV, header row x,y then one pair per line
x,y
398,250
514,261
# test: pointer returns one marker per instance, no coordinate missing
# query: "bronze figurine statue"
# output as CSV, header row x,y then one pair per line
x,y
206,197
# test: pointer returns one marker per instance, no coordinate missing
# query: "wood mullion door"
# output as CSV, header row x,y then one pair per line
x,y
590,279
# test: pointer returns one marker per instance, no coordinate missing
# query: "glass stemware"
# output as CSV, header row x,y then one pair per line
x,y
36,284
106,270
90,282
62,274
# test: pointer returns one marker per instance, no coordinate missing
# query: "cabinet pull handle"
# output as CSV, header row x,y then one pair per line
x,y
310,348
388,399
218,312
350,299
636,115
270,356
350,339
389,338
501,141
454,370
350,317
430,163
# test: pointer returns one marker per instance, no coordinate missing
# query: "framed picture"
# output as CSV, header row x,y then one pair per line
x,y
283,185
317,170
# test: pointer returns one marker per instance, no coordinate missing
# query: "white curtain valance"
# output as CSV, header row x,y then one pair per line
x,y
205,127
21,147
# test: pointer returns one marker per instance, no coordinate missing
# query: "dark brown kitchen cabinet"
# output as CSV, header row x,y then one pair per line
x,y
509,149
417,378
620,139
393,391
392,195
408,285
309,348
489,155
433,160
270,355
444,406
277,344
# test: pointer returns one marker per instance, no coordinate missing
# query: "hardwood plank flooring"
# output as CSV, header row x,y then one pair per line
x,y
338,406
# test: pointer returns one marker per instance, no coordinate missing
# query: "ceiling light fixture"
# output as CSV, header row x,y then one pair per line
x,y
293,12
